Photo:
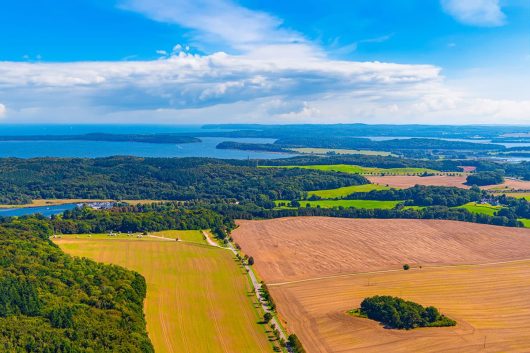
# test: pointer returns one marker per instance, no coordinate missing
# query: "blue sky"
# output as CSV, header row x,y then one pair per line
x,y
176,61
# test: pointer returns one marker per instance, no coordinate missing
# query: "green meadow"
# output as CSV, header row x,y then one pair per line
x,y
345,191
192,236
525,221
486,209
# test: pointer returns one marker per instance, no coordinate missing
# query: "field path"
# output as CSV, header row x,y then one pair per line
x,y
209,240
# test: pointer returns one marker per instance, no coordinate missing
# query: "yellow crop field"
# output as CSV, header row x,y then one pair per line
x,y
197,296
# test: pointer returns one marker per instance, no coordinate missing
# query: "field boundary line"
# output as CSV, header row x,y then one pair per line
x,y
353,274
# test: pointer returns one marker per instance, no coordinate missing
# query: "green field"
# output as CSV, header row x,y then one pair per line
x,y
345,191
520,195
525,221
197,296
355,169
193,236
321,151
486,209
369,204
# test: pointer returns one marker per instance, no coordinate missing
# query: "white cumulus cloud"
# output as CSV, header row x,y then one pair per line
x,y
2,110
268,73
476,12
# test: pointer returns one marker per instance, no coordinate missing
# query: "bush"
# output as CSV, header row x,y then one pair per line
x,y
395,312
267,317
295,344
406,267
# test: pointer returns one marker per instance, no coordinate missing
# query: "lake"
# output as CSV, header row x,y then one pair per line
x,y
93,149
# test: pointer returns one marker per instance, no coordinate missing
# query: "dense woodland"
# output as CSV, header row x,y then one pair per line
x,y
53,303
157,178
485,178
395,312
386,145
268,147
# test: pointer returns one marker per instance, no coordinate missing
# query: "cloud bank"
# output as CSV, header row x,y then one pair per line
x,y
267,74
476,12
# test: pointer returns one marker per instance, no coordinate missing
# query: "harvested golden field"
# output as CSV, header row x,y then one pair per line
x,y
489,303
196,294
510,184
318,268
406,181
288,249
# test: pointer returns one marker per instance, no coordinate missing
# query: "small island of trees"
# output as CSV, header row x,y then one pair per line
x,y
485,178
397,313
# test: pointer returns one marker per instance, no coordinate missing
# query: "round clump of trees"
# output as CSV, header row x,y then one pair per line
x,y
397,313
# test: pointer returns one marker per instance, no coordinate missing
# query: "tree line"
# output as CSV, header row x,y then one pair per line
x,y
252,211
140,218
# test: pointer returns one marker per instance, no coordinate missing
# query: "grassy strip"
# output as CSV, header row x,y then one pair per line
x,y
525,221
193,236
347,190
486,209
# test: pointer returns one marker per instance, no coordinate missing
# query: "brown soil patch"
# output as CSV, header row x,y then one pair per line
x,y
407,181
290,249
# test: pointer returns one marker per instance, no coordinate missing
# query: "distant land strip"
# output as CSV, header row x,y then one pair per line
x,y
145,138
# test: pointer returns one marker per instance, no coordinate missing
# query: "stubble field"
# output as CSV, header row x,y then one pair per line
x,y
318,268
407,181
197,297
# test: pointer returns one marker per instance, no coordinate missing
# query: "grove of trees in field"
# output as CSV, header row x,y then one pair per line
x,y
397,313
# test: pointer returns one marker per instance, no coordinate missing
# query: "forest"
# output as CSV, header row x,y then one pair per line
x,y
485,178
134,178
53,303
